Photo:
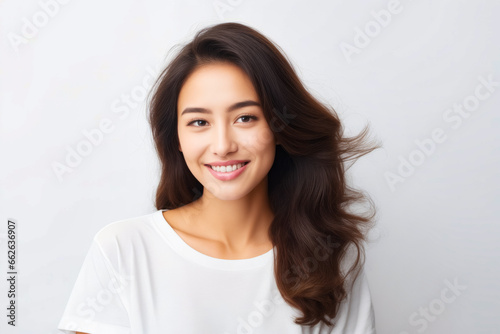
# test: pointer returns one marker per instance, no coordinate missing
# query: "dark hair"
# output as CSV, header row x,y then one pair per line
x,y
307,185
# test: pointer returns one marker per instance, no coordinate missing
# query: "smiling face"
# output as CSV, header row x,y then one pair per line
x,y
219,120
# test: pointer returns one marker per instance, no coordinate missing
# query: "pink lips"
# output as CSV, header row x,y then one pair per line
x,y
224,176
227,163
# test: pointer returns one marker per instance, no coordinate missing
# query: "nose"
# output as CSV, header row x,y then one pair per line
x,y
223,141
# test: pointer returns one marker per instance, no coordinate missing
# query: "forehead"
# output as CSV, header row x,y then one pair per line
x,y
216,85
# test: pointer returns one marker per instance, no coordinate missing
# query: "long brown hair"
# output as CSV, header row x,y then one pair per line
x,y
314,224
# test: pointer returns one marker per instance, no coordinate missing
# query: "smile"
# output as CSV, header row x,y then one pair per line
x,y
226,173
227,169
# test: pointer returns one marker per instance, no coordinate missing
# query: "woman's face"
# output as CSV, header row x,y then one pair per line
x,y
219,120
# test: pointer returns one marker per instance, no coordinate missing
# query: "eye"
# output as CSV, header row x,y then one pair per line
x,y
196,120
245,118
248,117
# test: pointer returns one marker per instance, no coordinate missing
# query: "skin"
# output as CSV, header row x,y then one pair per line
x,y
232,218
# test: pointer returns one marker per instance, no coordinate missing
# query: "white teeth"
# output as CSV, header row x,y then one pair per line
x,y
227,169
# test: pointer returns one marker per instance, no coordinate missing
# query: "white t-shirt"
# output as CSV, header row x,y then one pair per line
x,y
141,277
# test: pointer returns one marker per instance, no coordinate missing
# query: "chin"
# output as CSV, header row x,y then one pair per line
x,y
225,193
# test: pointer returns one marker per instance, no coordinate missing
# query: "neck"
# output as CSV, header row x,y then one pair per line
x,y
235,224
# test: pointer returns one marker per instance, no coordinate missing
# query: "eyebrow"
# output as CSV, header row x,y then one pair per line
x,y
235,106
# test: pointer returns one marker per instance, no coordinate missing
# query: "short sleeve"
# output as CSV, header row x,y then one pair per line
x,y
95,304
358,316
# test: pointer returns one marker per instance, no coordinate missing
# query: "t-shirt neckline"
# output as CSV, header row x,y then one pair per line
x,y
183,249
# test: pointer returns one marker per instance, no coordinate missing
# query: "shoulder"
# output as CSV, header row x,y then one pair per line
x,y
119,239
356,314
124,228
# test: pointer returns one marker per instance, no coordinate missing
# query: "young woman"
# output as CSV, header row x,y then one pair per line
x,y
255,231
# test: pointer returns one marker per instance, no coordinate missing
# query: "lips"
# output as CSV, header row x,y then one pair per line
x,y
226,176
227,163
243,163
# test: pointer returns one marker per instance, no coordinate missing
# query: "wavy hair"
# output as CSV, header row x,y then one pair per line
x,y
314,224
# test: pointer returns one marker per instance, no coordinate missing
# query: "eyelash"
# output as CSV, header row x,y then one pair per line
x,y
199,119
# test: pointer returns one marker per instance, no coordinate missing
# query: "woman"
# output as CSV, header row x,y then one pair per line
x,y
254,232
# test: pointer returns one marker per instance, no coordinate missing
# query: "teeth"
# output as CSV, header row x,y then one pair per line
x,y
227,169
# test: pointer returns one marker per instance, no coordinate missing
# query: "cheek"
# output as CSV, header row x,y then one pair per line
x,y
261,140
190,146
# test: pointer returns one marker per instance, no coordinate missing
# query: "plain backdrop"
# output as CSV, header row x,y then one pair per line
x,y
423,74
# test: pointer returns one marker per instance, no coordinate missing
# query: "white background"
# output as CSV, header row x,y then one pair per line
x,y
438,223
